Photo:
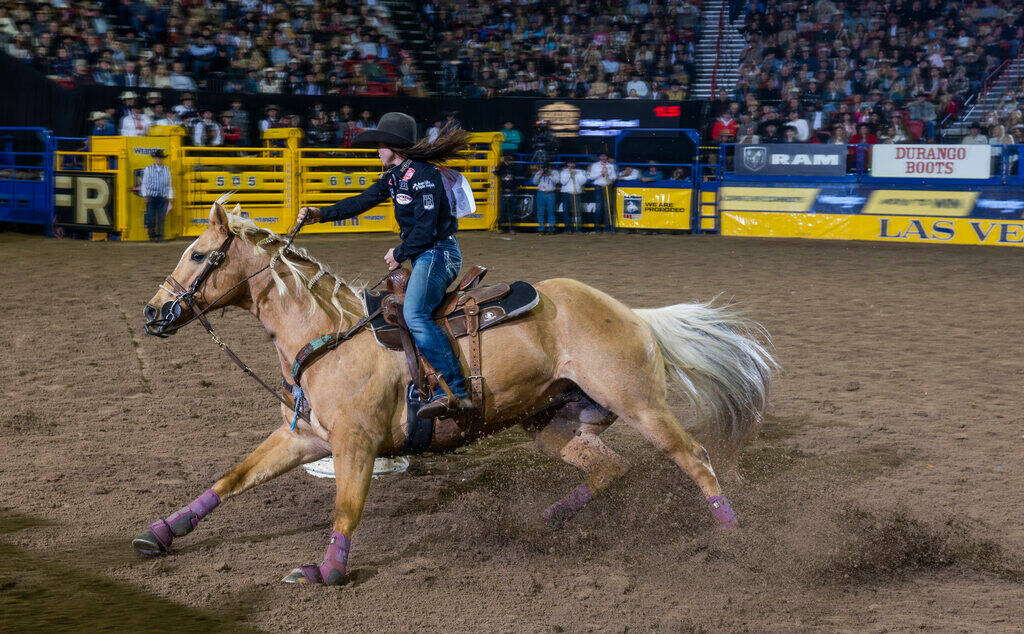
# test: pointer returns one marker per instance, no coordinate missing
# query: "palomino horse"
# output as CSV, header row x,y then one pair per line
x,y
617,361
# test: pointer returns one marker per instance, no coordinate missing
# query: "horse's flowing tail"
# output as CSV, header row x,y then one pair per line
x,y
720,362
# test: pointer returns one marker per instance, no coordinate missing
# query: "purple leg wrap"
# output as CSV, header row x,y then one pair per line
x,y
332,570
722,512
562,510
184,520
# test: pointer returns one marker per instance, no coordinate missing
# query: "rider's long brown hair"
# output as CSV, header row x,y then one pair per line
x,y
452,144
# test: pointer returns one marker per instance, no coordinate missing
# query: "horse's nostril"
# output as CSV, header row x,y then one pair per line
x,y
149,312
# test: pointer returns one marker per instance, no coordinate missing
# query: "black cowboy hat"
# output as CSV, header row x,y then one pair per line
x,y
395,129
159,153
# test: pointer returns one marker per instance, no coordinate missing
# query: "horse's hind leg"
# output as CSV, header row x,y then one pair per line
x,y
663,430
572,436
280,452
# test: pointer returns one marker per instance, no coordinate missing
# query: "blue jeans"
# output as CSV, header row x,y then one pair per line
x,y
546,211
432,272
604,199
156,209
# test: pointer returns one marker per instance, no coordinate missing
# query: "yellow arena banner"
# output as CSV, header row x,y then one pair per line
x,y
766,198
869,227
903,202
654,208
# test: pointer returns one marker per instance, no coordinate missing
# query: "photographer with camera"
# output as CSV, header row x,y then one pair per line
x,y
544,143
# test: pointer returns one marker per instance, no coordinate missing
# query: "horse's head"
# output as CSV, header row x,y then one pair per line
x,y
205,278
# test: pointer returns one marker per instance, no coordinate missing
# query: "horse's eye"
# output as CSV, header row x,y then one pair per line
x,y
197,256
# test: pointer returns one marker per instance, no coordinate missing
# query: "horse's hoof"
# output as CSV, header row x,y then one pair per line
x,y
148,546
310,573
295,576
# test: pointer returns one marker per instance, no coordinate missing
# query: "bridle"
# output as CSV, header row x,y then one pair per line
x,y
171,311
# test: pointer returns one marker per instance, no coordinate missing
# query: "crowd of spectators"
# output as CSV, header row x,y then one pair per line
x,y
847,71
639,49
316,47
236,126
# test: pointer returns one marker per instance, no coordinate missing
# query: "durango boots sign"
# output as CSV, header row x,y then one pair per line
x,y
931,161
790,159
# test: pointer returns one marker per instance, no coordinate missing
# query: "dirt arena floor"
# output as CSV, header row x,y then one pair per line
x,y
885,492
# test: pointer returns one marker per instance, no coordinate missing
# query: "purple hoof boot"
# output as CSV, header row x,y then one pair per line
x,y
154,541
331,572
563,510
157,538
722,512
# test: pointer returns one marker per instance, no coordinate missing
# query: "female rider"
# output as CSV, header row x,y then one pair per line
x,y
428,224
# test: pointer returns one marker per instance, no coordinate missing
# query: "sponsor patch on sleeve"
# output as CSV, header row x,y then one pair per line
x,y
403,199
428,184
408,174
428,201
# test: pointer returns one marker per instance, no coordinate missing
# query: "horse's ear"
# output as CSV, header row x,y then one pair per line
x,y
218,216
237,210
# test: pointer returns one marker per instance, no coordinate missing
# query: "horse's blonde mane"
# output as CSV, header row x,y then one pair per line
x,y
266,242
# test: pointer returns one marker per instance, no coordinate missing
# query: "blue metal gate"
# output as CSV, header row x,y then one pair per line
x,y
26,175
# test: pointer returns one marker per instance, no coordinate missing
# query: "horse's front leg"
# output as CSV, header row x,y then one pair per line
x,y
280,452
354,453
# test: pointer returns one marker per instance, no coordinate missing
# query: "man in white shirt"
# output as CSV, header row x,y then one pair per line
x,y
639,86
171,118
135,123
157,190
803,130
975,137
572,181
603,174
179,80
206,132
546,179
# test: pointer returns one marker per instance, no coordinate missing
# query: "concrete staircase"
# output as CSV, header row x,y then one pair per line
x,y
733,44
1008,79
414,38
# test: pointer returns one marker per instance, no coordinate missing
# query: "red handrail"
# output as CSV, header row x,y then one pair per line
x,y
718,50
995,75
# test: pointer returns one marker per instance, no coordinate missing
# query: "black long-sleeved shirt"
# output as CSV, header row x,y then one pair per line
x,y
422,207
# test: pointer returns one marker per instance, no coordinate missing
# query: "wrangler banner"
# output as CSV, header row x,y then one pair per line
x,y
654,208
880,228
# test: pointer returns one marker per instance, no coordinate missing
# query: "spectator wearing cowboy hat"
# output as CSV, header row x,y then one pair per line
x,y
153,99
240,118
128,98
135,123
101,125
273,113
206,132
427,199
228,130
157,190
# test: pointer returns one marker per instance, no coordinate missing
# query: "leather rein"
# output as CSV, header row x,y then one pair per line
x,y
172,310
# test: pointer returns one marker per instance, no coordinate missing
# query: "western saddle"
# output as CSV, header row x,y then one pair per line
x,y
464,311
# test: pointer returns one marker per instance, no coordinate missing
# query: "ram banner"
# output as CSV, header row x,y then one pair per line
x,y
654,208
931,161
790,159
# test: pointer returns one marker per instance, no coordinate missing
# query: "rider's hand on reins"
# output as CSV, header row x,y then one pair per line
x,y
309,215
